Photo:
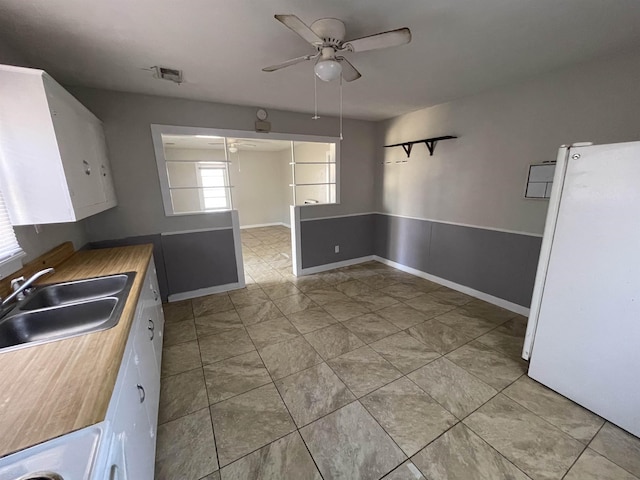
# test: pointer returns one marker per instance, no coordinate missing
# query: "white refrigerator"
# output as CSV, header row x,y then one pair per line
x,y
583,334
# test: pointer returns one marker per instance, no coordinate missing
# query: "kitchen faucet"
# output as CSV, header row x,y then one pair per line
x,y
20,285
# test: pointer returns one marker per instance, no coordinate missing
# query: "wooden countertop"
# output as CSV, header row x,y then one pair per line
x,y
55,388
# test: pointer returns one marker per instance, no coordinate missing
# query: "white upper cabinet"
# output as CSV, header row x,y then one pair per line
x,y
53,157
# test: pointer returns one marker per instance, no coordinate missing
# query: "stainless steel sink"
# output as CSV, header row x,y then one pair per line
x,y
64,310
71,292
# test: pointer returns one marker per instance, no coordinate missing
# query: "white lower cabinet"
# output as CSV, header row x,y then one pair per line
x,y
133,413
123,446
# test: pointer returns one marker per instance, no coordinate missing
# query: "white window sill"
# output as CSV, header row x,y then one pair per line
x,y
11,265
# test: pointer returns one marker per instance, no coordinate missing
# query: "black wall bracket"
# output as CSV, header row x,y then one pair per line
x,y
429,142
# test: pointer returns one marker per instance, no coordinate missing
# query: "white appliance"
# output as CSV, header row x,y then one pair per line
x,y
583,335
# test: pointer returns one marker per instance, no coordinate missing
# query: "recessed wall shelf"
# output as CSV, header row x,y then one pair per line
x,y
429,142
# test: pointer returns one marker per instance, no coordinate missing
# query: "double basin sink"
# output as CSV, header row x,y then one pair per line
x,y
63,310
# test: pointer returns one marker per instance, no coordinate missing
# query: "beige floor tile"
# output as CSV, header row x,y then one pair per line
x,y
294,303
311,319
406,471
345,309
180,358
404,352
402,316
591,466
260,312
249,421
453,387
313,393
326,295
461,454
438,336
508,337
429,305
375,301
363,370
177,311
211,304
182,394
370,327
281,290
352,288
620,447
350,444
242,298
234,376
332,341
410,416
481,309
217,323
291,356
535,446
283,459
179,332
469,326
186,449
569,417
271,332
214,348
403,291
491,366
452,297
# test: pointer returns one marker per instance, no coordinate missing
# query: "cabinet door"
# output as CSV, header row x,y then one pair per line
x,y
100,148
75,142
132,427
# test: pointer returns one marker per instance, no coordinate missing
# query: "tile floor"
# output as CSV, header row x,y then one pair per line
x,y
363,373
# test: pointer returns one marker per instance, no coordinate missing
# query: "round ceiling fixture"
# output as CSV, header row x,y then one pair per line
x,y
328,70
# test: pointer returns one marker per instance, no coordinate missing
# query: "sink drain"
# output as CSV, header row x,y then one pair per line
x,y
41,476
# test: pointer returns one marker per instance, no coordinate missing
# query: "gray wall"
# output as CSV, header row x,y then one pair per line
x,y
35,244
498,263
478,179
355,235
126,120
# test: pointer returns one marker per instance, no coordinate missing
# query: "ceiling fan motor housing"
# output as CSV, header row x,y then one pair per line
x,y
331,30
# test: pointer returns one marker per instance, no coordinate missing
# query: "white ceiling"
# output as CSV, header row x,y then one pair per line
x,y
459,47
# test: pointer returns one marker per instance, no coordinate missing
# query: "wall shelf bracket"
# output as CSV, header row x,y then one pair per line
x,y
429,142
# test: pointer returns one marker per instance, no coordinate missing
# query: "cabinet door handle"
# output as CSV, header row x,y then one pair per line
x,y
113,472
87,167
141,392
151,328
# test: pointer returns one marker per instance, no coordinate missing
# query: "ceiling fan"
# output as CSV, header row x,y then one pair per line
x,y
327,36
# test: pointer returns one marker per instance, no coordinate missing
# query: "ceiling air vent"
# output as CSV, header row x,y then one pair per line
x,y
165,73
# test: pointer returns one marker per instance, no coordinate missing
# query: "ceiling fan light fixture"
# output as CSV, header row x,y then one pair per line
x,y
328,70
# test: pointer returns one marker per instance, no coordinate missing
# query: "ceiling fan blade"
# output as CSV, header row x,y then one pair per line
x,y
349,72
394,38
298,26
288,63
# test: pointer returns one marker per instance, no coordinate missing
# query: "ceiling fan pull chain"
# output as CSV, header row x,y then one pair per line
x,y
315,97
341,106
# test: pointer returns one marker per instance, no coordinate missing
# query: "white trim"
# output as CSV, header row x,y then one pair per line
x,y
237,245
331,266
334,216
296,240
11,264
198,230
545,249
495,229
513,307
176,297
258,225
468,225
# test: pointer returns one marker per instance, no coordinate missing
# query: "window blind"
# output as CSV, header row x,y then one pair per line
x,y
9,247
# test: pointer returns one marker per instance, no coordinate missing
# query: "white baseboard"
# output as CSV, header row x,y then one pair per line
x,y
513,307
332,266
176,297
258,225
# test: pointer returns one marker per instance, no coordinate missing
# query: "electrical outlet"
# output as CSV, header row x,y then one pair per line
x,y
336,249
